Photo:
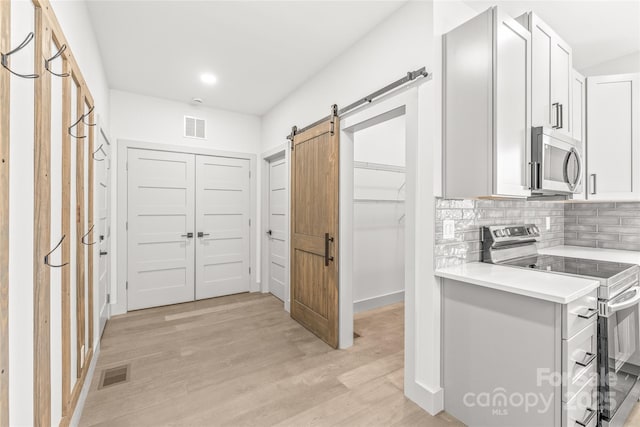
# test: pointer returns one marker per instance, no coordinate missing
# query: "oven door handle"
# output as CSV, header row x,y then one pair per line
x,y
613,307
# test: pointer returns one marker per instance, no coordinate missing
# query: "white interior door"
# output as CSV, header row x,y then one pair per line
x,y
103,197
223,226
160,218
277,227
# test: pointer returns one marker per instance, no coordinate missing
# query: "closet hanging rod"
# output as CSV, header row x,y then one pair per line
x,y
4,58
409,77
377,201
379,167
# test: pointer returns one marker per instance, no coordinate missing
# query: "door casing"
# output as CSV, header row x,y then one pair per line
x,y
119,298
278,152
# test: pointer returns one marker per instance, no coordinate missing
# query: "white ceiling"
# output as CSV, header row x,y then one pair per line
x,y
260,51
597,30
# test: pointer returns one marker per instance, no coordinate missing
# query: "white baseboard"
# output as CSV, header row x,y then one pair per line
x,y
77,413
379,301
431,401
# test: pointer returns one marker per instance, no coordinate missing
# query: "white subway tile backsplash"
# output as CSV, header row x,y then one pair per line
x,y
610,225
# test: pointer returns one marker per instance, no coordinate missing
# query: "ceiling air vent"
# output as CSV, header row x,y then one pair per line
x,y
194,127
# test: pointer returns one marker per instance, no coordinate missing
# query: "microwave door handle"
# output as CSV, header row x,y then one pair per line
x,y
572,182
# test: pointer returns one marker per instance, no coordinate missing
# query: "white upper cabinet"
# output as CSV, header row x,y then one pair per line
x,y
613,141
552,76
487,117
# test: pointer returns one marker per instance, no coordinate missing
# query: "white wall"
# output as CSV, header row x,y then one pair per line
x,y
75,23
378,227
160,121
623,65
402,43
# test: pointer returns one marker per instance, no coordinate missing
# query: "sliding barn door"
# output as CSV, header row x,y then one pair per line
x,y
314,230
223,208
161,228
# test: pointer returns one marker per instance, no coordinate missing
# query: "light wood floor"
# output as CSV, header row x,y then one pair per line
x,y
242,361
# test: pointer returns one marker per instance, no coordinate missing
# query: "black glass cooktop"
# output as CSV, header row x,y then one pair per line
x,y
576,266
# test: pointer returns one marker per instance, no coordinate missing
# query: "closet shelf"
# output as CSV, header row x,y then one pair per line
x,y
379,167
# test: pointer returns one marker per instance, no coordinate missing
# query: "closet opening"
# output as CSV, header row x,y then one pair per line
x,y
377,253
379,181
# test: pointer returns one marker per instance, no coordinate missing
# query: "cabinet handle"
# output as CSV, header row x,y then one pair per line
x,y
535,175
588,418
556,125
593,183
592,312
188,235
588,359
327,258
202,234
561,117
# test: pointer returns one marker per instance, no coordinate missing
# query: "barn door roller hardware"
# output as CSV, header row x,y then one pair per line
x,y
48,61
409,77
46,257
4,58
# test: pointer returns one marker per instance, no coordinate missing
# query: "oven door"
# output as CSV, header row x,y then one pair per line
x,y
619,351
560,166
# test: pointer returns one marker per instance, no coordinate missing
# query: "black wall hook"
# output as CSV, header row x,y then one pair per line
x,y
87,114
57,54
4,58
46,257
103,152
86,234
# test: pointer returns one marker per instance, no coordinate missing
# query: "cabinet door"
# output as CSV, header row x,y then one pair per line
x,y
613,150
542,47
561,83
552,72
512,116
578,122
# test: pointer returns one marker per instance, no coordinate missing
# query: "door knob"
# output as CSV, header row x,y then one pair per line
x,y
202,234
188,235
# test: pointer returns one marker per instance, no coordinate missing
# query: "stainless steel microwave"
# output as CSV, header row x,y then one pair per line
x,y
556,163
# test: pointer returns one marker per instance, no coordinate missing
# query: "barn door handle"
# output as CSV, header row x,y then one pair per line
x,y
327,258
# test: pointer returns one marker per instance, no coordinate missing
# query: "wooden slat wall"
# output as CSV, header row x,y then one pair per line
x,y
42,226
48,27
5,42
66,230
80,266
90,184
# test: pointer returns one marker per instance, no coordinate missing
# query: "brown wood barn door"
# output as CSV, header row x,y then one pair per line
x,y
314,229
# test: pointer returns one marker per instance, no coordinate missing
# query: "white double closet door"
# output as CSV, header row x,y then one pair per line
x,y
188,227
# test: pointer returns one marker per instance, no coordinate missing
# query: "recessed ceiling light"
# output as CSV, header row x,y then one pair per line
x,y
208,78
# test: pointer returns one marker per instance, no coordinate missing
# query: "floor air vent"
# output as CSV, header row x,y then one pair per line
x,y
113,376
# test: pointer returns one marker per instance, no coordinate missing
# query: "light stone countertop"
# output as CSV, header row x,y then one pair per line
x,y
555,288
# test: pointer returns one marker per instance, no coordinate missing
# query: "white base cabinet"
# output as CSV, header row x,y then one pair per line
x,y
511,360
